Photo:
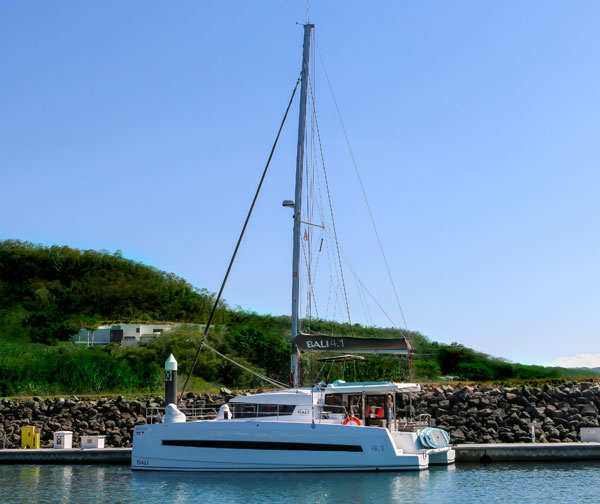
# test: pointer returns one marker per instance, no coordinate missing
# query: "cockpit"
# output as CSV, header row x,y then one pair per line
x,y
358,403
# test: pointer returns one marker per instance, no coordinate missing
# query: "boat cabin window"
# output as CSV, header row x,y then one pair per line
x,y
349,404
379,409
355,405
249,410
375,406
334,403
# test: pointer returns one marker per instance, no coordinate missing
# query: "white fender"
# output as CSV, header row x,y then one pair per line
x,y
173,415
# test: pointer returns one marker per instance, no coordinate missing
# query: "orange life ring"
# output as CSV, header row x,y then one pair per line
x,y
351,419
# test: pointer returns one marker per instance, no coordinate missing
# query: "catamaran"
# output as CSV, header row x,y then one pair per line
x,y
301,429
327,427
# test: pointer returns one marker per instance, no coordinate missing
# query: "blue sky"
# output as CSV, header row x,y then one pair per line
x,y
144,126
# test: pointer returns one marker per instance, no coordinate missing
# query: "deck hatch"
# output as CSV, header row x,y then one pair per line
x,y
262,445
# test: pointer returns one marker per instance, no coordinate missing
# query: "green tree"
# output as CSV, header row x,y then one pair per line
x,y
476,371
428,369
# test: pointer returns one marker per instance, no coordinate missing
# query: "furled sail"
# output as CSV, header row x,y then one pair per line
x,y
347,344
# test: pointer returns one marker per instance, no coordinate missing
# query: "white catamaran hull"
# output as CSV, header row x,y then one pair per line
x,y
442,457
269,446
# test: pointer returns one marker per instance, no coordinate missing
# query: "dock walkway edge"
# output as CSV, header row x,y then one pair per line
x,y
481,453
67,456
525,452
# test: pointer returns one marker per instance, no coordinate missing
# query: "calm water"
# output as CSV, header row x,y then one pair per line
x,y
567,483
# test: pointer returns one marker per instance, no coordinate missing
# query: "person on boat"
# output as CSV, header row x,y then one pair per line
x,y
389,410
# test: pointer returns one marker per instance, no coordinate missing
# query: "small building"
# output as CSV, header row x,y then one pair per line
x,y
121,334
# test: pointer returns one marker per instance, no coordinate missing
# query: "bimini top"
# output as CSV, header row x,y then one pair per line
x,y
341,387
305,396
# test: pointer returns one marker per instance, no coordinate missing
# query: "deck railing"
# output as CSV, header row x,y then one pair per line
x,y
192,413
413,424
337,410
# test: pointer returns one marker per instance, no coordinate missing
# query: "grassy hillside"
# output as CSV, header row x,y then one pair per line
x,y
49,293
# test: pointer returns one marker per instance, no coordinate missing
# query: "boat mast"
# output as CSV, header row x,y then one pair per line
x,y
298,199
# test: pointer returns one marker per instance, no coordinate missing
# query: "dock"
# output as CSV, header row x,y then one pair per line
x,y
67,456
526,452
465,453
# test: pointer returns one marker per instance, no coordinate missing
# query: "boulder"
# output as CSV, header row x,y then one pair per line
x,y
457,436
589,410
506,437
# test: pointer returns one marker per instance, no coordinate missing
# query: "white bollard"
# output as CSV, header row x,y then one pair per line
x,y
171,381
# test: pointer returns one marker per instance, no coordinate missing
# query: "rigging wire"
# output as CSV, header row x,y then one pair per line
x,y
245,368
361,184
363,300
364,287
313,182
317,262
318,203
334,282
309,180
310,284
305,235
218,298
324,235
331,210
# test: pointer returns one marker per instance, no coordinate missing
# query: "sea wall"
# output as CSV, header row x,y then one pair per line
x,y
114,417
500,414
471,413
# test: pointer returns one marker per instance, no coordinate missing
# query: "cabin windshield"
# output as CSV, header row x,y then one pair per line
x,y
252,410
334,403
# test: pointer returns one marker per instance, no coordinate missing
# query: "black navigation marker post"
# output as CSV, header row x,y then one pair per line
x,y
171,381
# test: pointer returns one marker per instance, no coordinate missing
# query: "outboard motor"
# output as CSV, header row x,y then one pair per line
x,y
173,415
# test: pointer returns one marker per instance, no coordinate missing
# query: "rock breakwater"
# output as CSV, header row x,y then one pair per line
x,y
471,413
500,414
113,417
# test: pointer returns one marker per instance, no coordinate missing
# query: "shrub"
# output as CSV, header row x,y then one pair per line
x,y
427,369
476,371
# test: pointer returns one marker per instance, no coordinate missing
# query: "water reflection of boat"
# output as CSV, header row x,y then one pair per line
x,y
336,427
